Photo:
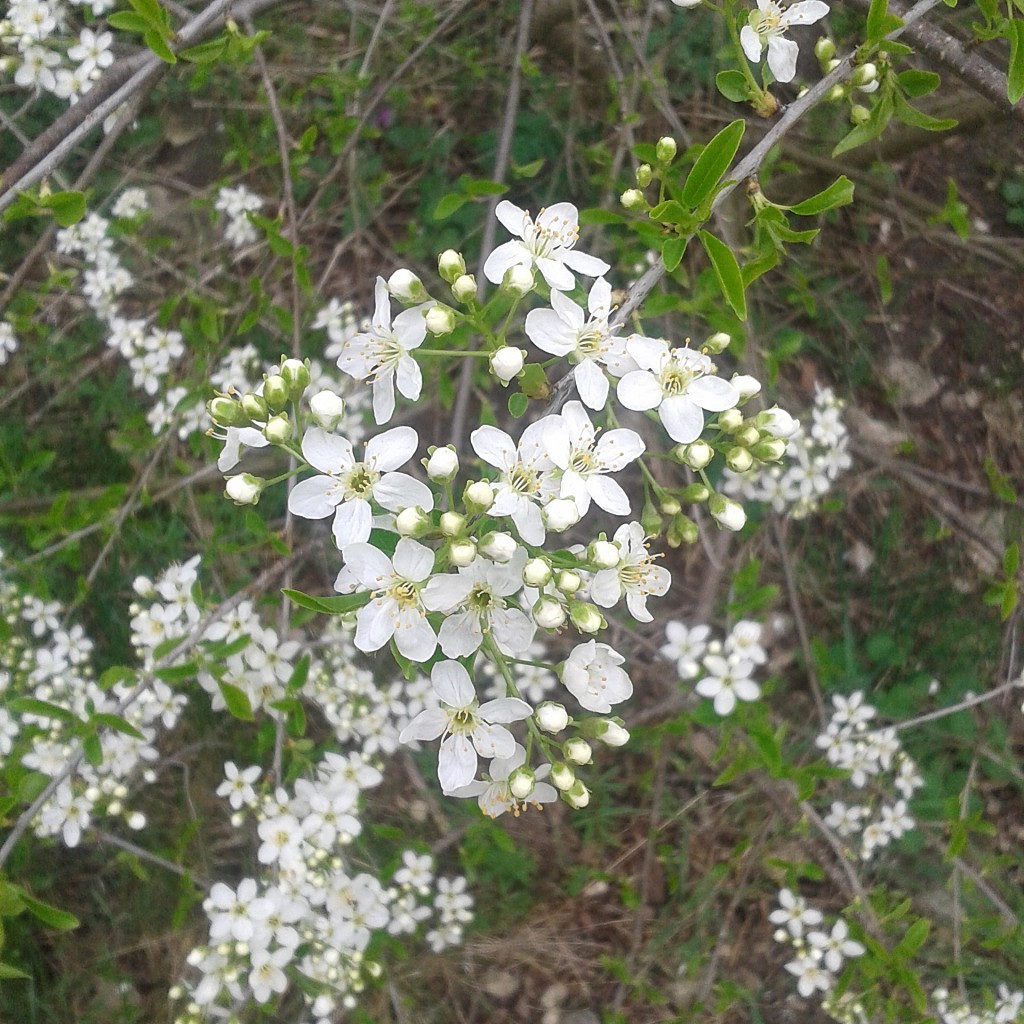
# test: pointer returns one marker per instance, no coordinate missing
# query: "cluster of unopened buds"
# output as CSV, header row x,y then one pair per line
x,y
447,569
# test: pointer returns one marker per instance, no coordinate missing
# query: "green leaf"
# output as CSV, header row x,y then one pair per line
x,y
117,724
913,939
917,83
7,972
839,193
595,215
236,700
205,53
1011,560
883,278
881,114
327,605
518,403
92,749
880,21
727,270
67,207
483,187
732,85
919,119
158,44
712,163
670,212
49,915
128,21
530,170
672,252
1015,72
448,204
42,708
299,674
114,675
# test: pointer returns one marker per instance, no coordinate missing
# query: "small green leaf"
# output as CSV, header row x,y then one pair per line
x,y
114,675
483,187
916,83
1011,560
712,163
328,605
67,207
237,701
7,972
883,278
518,403
880,22
839,193
299,674
205,53
42,708
92,749
158,44
672,252
117,724
1015,72
732,85
881,115
913,939
669,212
530,170
918,118
448,204
128,21
49,915
727,270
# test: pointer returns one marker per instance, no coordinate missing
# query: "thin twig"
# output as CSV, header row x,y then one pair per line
x,y
152,858
967,702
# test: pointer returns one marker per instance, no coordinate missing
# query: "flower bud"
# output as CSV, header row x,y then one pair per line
x,y
521,782
548,613
296,374
824,49
748,436
682,530
507,363
255,407
452,523
275,392
464,288
278,429
832,65
537,572
499,547
562,776
440,320
770,450
865,74
244,489
650,520
717,343
777,422
859,113
551,717
560,514
633,199
407,287
568,582
727,513
226,412
695,493
643,175
577,796
730,420
443,465
665,150
462,552
746,385
586,617
612,734
604,554
739,460
413,522
668,505
577,750
327,409
696,455
519,280
451,265
478,496
835,94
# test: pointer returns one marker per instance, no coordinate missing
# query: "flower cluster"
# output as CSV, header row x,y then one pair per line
x,y
36,35
877,764
818,454
312,914
725,668
819,953
236,204
1006,1008
8,341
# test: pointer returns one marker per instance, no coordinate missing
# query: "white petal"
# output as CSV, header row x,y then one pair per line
x,y
782,55
375,625
309,498
713,393
427,725
391,449
327,452
409,378
583,263
592,384
494,446
510,254
546,330
617,448
639,390
456,763
413,561
415,637
505,709
397,491
606,588
461,634
556,274
352,523
751,43
511,217
452,684
609,495
682,419
804,12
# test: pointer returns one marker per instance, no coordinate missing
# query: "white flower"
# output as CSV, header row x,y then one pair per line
x,y
547,244
836,945
479,591
727,682
636,575
382,353
585,460
794,913
810,976
678,382
507,363
767,25
347,485
524,473
467,728
592,675
396,609
564,330
495,798
685,647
